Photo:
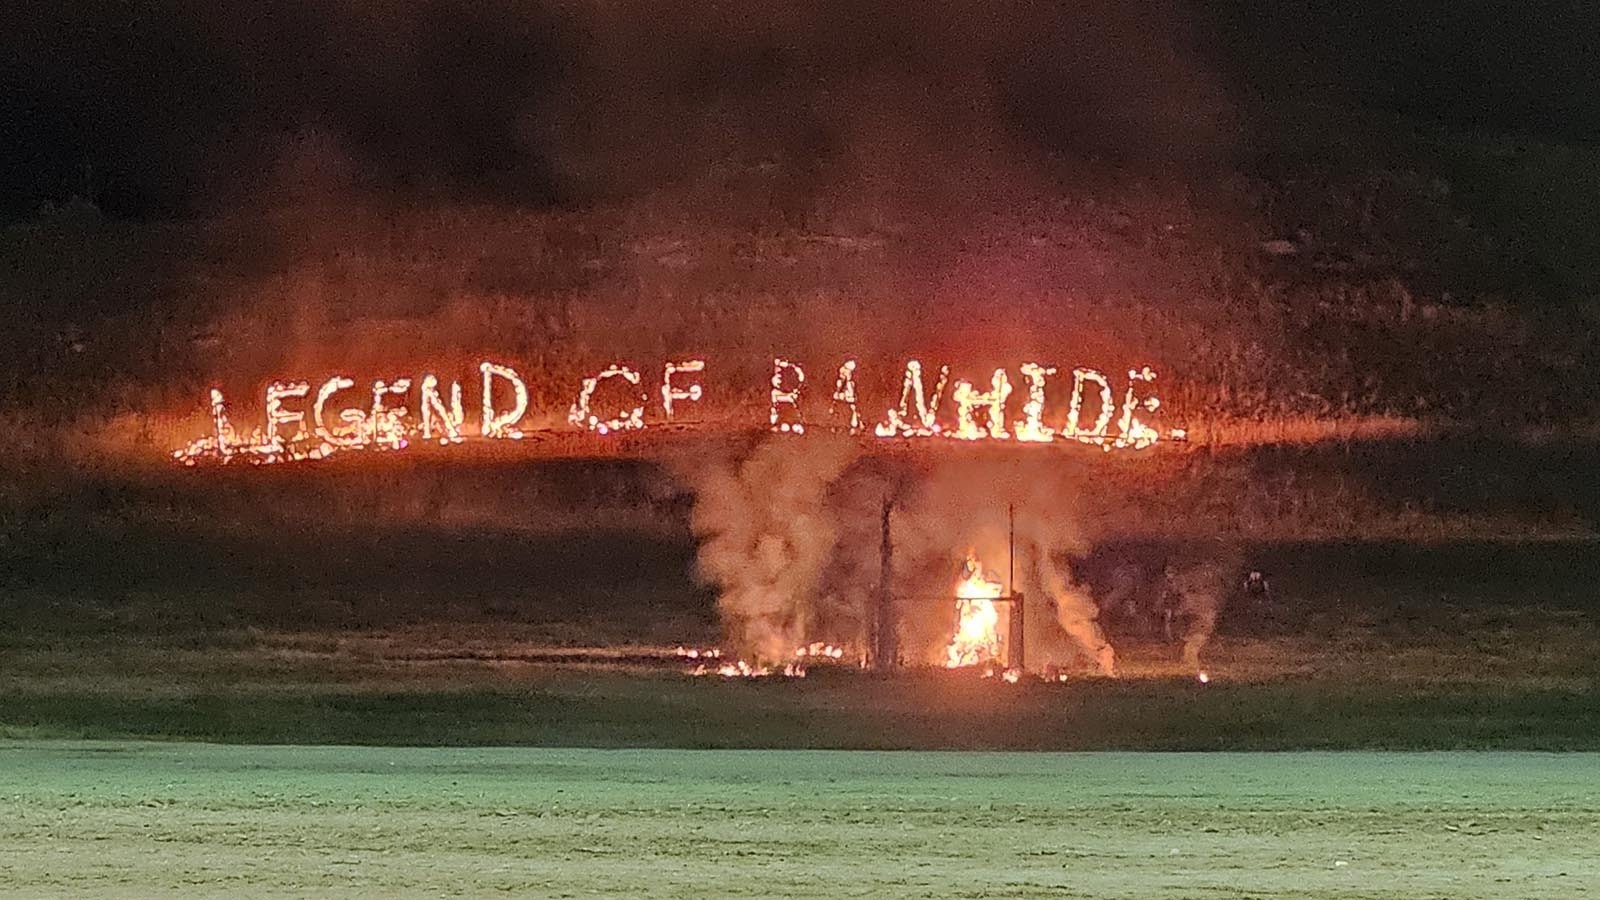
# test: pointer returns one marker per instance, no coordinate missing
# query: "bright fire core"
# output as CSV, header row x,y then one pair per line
x,y
977,637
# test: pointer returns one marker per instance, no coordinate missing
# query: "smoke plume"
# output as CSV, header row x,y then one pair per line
x,y
790,536
160,106
1199,585
765,535
973,503
1078,616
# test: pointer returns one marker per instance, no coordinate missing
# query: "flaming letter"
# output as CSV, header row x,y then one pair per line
x,y
896,423
276,392
786,398
670,393
450,419
219,441
1130,431
219,418
1097,434
386,425
581,417
352,417
968,400
1032,428
844,391
503,425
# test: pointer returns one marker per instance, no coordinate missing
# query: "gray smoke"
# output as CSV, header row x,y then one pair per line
x,y
1199,585
178,105
963,504
766,535
789,535
1078,616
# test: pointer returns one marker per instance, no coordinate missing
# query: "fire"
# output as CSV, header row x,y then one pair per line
x,y
819,650
710,662
741,669
977,637
698,653
306,421
583,417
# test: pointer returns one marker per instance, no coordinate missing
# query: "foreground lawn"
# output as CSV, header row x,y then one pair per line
x,y
554,707
139,820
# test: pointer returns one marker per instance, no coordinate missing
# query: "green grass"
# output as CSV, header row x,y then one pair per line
x,y
936,712
141,820
933,710
1369,645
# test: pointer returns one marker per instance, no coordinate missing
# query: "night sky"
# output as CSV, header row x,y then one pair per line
x,y
176,107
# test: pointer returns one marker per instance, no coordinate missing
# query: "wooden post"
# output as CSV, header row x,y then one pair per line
x,y
1019,618
1019,631
886,642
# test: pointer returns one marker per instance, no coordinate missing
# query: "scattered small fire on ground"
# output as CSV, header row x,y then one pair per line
x,y
708,662
976,642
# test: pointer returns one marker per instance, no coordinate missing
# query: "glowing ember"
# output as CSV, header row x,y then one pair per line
x,y
741,669
819,650
697,653
1204,678
709,662
977,637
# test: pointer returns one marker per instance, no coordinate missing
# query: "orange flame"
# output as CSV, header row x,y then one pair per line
x,y
977,637
710,662
293,433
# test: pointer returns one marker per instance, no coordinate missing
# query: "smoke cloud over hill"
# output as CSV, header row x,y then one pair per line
x,y
178,106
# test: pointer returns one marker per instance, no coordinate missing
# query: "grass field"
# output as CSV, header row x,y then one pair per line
x,y
1375,647
141,820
